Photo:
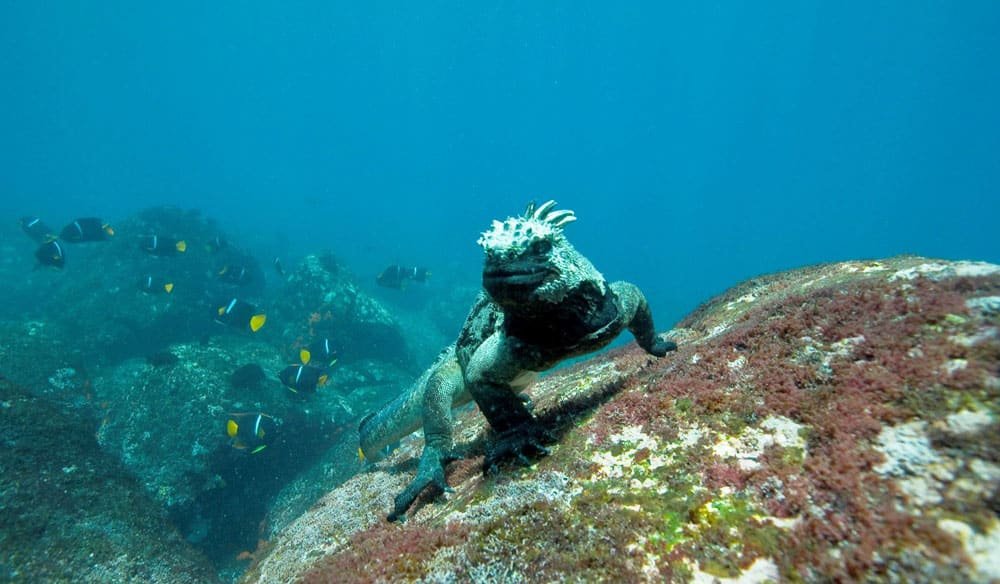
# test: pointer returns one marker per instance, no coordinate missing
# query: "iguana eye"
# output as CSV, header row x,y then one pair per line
x,y
541,246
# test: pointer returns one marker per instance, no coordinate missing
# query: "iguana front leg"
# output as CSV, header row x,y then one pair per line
x,y
637,316
492,368
442,388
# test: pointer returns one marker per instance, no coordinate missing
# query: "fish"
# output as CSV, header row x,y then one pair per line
x,y
250,430
278,267
37,230
304,378
249,376
51,254
162,359
155,285
239,313
238,275
320,350
162,246
216,244
395,276
87,229
379,455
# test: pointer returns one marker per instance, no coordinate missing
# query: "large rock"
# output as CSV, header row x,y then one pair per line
x,y
167,421
96,298
71,513
833,423
322,299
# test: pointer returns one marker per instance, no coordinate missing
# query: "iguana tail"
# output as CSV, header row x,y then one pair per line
x,y
401,416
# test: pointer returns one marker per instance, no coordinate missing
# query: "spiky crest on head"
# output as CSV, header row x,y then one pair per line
x,y
517,233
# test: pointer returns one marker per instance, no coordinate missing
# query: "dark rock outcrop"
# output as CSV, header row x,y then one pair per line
x,y
837,422
321,299
71,513
97,302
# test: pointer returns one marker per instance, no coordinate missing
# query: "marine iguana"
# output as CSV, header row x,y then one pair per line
x,y
543,302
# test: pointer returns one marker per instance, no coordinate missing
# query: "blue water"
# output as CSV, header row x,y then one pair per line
x,y
700,143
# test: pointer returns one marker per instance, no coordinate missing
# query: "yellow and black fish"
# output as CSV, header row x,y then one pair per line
x,y
395,276
304,378
87,229
250,431
155,285
51,254
216,244
162,246
240,314
319,351
237,275
37,230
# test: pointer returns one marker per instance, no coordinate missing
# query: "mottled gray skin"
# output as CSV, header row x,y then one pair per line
x,y
543,303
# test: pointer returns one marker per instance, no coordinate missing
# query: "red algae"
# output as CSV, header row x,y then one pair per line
x,y
677,468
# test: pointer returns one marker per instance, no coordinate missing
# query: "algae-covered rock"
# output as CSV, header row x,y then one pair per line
x,y
833,423
37,355
98,299
166,423
71,513
321,299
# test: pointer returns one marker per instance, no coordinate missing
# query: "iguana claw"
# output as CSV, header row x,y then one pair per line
x,y
430,473
525,443
662,346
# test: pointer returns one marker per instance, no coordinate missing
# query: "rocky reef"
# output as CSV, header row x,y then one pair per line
x,y
97,300
70,512
832,423
150,381
323,300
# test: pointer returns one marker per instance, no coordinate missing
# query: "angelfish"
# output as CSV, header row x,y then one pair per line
x,y
154,285
320,350
162,246
249,431
303,378
86,229
239,313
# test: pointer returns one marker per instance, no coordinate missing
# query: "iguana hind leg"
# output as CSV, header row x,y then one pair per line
x,y
443,386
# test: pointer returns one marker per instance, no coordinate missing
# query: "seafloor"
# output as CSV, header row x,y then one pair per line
x,y
832,423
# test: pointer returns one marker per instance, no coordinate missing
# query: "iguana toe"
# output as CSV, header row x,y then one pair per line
x,y
662,346
430,473
524,443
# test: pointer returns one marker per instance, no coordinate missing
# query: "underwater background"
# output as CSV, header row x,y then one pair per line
x,y
699,143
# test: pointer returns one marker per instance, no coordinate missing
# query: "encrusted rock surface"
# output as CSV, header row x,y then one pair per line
x,y
71,513
833,423
166,422
322,299
96,301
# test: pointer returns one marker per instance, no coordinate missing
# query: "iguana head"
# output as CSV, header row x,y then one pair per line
x,y
529,260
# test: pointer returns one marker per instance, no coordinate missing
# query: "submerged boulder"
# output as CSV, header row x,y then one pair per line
x,y
168,423
99,300
832,423
71,513
321,299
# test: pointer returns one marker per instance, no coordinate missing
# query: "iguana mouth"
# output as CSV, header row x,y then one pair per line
x,y
520,277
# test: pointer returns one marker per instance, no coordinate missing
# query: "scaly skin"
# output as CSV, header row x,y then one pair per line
x,y
543,303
